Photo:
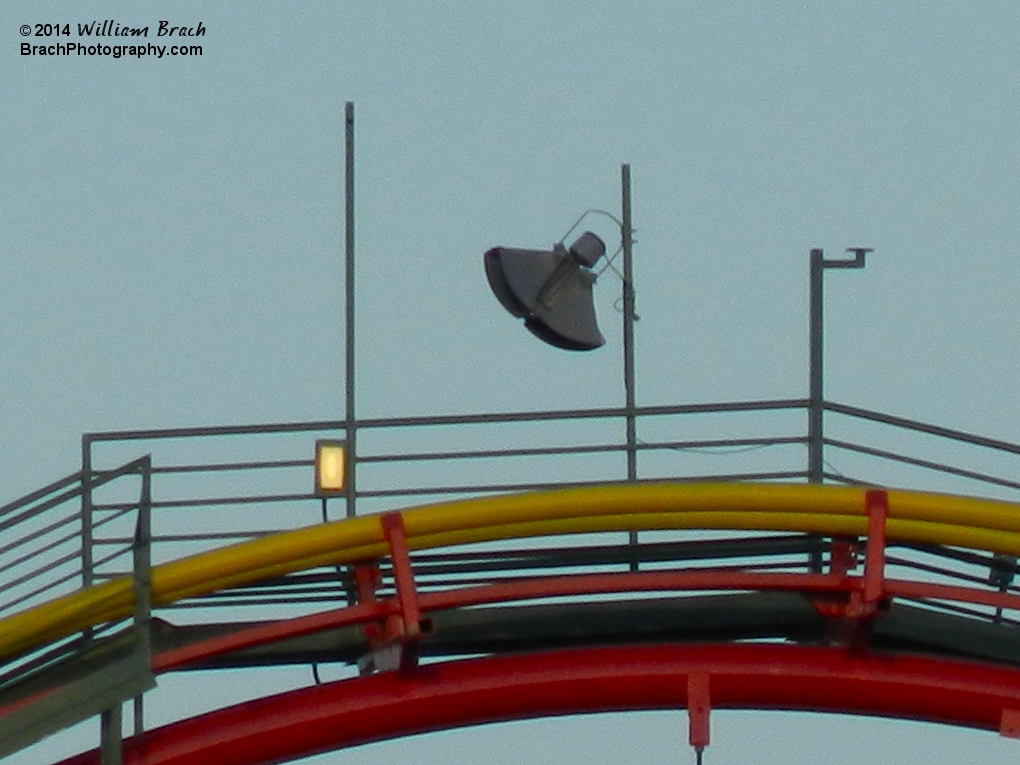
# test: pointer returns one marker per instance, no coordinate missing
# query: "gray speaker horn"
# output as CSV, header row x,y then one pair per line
x,y
550,290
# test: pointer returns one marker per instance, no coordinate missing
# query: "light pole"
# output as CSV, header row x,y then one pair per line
x,y
816,400
629,318
552,291
629,314
627,237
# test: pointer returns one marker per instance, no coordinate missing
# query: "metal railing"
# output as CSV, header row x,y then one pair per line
x,y
253,480
217,485
202,488
49,544
212,486
49,548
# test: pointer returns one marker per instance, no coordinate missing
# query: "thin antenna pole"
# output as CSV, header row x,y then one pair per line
x,y
349,310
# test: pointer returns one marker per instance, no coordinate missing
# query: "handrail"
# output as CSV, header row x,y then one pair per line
x,y
523,451
32,496
922,427
928,464
97,480
30,507
445,419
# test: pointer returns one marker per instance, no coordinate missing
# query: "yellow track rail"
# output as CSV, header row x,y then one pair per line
x,y
913,517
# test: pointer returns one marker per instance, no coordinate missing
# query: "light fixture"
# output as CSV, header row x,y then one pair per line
x,y
551,290
330,467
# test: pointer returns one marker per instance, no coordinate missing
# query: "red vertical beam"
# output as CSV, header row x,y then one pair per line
x,y
407,596
876,505
843,556
366,580
699,706
1009,727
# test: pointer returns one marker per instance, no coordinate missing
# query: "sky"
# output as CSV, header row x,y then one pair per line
x,y
171,243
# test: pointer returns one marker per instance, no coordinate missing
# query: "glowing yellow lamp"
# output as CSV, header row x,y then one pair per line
x,y
330,467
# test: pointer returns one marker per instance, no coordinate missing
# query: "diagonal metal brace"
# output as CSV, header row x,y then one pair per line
x,y
866,601
408,627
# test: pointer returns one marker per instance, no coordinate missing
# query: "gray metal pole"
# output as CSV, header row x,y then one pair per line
x,y
816,395
815,400
110,736
86,514
142,581
349,310
816,464
627,235
628,325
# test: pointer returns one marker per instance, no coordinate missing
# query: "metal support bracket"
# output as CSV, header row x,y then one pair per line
x,y
857,262
699,706
367,579
1009,727
842,556
852,616
394,640
865,602
842,560
869,598
409,622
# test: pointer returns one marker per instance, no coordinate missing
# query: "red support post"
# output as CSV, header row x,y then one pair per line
x,y
1009,727
410,624
843,556
366,581
876,505
865,602
699,706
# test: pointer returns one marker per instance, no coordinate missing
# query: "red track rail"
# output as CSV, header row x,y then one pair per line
x,y
453,694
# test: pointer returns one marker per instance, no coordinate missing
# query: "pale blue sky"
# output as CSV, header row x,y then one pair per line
x,y
171,239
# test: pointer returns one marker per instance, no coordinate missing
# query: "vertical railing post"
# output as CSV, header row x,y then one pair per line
x,y
142,579
111,736
86,512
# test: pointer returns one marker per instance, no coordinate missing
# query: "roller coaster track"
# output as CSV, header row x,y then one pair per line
x,y
789,596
